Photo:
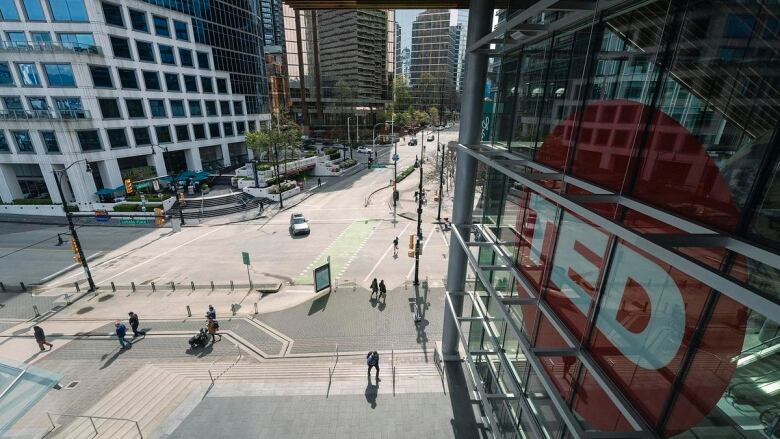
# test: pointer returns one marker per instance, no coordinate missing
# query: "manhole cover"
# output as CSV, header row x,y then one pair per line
x,y
72,384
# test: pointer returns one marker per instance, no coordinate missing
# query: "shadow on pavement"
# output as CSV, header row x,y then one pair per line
x,y
319,304
372,390
463,422
113,357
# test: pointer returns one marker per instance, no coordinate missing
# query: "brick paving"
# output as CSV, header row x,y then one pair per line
x,y
20,305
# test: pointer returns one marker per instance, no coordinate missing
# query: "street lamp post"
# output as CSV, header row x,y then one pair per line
x,y
441,171
418,247
73,233
173,183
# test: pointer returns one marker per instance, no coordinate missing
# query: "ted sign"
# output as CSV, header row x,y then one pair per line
x,y
649,311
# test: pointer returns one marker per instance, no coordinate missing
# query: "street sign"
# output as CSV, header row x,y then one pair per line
x,y
322,277
101,216
245,256
135,221
395,157
156,185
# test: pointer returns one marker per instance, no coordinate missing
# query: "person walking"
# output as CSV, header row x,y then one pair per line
x,y
134,324
374,288
121,331
395,246
319,182
211,313
40,337
382,291
372,359
213,327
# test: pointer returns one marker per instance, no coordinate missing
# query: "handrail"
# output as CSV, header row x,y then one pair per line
x,y
748,350
332,370
92,421
392,363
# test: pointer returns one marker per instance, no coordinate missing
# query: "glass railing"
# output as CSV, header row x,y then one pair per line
x,y
44,114
21,387
37,46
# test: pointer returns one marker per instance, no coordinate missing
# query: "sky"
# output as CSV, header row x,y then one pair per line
x,y
405,17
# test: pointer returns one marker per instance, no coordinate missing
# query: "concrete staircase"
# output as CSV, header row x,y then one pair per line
x,y
208,207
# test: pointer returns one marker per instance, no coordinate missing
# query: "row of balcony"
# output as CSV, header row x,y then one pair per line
x,y
44,114
38,46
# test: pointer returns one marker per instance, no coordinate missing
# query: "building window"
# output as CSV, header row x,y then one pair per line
x,y
203,61
182,133
138,21
177,108
59,75
222,85
89,140
152,80
142,136
163,134
252,125
42,38
161,26
76,41
101,77
145,51
227,127
68,10
180,28
3,142
206,84
109,108
68,104
185,57
23,141
224,107
28,73
113,15
240,127
238,108
211,108
121,48
128,79
38,103
214,130
157,107
135,108
172,82
195,108
199,131
166,54
6,78
16,39
190,83
117,138
33,10
49,139
8,11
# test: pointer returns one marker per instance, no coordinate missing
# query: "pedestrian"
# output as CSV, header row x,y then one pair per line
x,y
395,246
374,287
134,324
319,182
211,313
382,291
372,359
121,331
40,337
416,194
213,327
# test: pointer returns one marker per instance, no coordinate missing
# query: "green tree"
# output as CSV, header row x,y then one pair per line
x,y
270,141
402,94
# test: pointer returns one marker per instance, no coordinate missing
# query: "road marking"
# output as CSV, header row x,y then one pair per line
x,y
383,255
425,244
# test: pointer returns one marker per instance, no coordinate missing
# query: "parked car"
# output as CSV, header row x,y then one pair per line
x,y
430,138
364,150
298,225
413,142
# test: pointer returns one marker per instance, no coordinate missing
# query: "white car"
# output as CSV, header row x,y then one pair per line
x,y
430,138
364,150
298,225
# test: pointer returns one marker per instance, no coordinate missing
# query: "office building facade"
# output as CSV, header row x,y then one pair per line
x,y
132,87
433,64
620,273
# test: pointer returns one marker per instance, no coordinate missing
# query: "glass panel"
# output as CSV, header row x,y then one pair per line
x,y
23,141
89,140
172,82
152,81
8,10
135,107
161,26
113,14
539,399
181,30
163,134
109,108
6,78
59,75
33,10
68,10
145,51
49,139
142,136
138,20
128,79
594,409
101,76
166,54
185,57
157,107
29,75
117,138
121,48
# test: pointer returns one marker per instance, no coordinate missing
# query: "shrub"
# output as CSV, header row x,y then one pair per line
x,y
149,197
348,163
125,207
405,173
32,201
334,156
286,186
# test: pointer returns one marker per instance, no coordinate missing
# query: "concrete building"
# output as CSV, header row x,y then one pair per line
x,y
404,62
341,65
433,66
131,87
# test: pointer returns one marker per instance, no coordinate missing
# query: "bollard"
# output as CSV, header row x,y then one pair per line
x,y
255,307
153,288
113,287
337,285
132,285
212,285
24,288
173,286
354,284
77,286
35,310
67,299
233,308
189,313
231,285
192,285
251,285
2,286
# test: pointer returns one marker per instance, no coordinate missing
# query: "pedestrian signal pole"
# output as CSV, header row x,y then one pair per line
x,y
418,247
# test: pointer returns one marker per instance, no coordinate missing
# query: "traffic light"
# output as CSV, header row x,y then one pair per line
x,y
159,217
411,246
74,247
128,186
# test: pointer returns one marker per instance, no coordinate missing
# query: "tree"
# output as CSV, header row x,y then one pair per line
x,y
433,112
402,95
269,141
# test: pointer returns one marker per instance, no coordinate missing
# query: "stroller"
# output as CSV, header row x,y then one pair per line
x,y
199,339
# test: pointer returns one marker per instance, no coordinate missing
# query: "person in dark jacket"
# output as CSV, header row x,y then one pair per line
x,y
134,324
40,337
382,291
211,313
121,331
374,288
372,359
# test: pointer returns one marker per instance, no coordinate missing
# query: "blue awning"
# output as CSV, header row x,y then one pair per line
x,y
105,191
200,176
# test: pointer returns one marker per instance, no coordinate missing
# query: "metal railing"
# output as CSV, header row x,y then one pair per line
x,y
45,114
332,370
38,46
392,364
92,421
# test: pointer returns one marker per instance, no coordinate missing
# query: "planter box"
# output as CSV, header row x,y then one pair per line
x,y
40,209
263,193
